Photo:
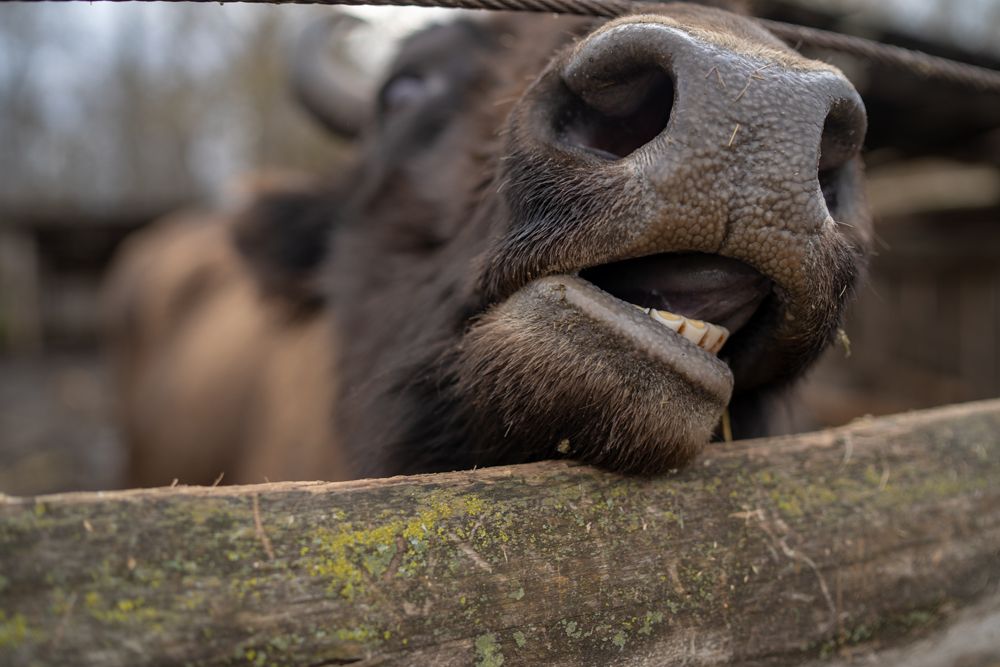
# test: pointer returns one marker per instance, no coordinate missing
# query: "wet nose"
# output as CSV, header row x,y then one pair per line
x,y
733,115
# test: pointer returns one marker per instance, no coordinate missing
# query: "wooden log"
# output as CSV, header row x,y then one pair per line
x,y
779,551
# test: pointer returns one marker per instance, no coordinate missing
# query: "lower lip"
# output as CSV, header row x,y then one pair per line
x,y
655,341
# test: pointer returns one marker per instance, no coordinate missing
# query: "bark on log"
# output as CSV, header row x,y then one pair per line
x,y
781,551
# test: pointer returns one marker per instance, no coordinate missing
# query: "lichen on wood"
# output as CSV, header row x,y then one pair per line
x,y
762,552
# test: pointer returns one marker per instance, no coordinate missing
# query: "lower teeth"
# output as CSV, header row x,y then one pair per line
x,y
708,336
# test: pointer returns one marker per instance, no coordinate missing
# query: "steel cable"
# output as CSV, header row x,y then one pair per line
x,y
922,64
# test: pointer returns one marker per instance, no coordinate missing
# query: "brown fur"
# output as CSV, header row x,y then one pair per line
x,y
212,376
450,351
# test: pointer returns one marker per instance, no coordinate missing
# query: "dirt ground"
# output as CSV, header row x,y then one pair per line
x,y
56,432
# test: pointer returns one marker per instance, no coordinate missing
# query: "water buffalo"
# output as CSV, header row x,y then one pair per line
x,y
561,237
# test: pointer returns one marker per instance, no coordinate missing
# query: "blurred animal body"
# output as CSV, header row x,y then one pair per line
x,y
215,377
559,237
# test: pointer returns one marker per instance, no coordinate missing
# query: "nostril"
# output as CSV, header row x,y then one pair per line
x,y
829,184
843,135
616,119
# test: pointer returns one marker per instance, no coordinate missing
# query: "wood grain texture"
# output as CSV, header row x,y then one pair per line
x,y
823,546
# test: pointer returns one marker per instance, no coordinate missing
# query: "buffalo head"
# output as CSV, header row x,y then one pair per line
x,y
569,237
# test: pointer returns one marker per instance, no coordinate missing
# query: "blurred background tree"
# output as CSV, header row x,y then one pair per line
x,y
127,105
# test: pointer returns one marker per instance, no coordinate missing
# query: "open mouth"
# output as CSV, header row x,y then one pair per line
x,y
622,360
705,299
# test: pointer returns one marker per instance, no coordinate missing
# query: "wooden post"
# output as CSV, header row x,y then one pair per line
x,y
823,546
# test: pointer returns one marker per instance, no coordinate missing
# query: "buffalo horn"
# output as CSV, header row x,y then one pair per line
x,y
333,92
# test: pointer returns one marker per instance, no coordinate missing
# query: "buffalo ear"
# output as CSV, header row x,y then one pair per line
x,y
283,238
333,92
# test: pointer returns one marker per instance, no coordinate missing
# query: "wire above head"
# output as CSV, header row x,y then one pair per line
x,y
918,63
